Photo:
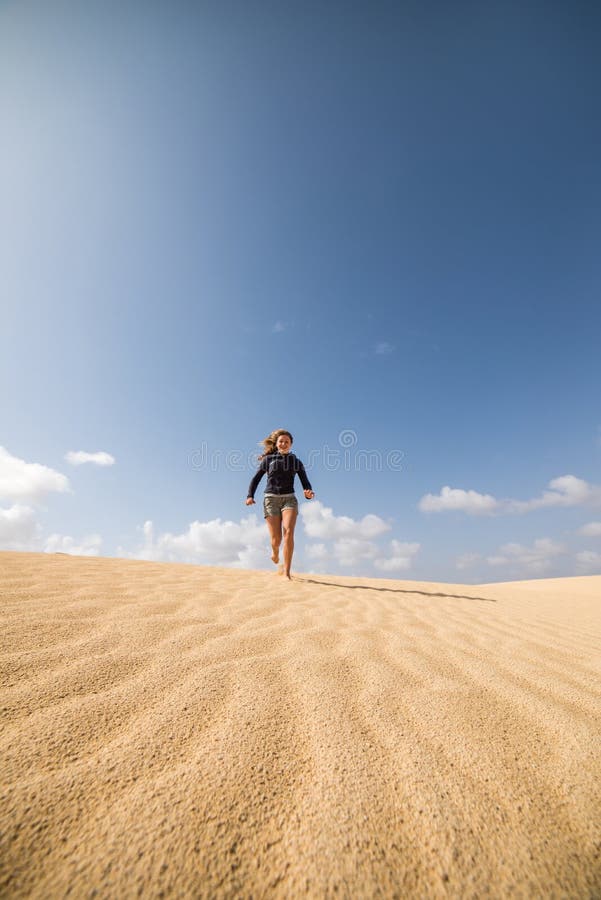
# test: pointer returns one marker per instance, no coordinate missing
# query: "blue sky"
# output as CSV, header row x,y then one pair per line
x,y
373,223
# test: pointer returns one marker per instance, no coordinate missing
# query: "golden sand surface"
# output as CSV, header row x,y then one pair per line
x,y
184,731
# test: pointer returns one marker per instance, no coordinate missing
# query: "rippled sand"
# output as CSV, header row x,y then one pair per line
x,y
173,730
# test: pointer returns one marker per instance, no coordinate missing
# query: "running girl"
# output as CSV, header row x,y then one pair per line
x,y
280,506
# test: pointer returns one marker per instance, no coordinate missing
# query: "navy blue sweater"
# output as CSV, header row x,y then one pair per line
x,y
281,469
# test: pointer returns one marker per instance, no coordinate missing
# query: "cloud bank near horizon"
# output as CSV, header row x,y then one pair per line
x,y
333,541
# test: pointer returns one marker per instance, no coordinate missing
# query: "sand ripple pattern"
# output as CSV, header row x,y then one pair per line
x,y
182,731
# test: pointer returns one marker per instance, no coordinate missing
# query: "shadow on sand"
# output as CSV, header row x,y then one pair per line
x,y
368,587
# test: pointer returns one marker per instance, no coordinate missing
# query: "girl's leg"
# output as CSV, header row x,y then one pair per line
x,y
274,523
289,517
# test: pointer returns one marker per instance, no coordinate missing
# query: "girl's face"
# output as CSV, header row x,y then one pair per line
x,y
283,443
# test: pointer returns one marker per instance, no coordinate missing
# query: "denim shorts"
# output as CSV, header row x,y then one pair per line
x,y
273,504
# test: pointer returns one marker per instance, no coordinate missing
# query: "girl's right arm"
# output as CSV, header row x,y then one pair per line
x,y
254,484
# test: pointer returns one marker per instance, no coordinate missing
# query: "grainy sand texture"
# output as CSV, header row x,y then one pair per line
x,y
184,731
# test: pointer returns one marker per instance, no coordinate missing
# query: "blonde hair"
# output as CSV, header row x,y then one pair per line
x,y
269,443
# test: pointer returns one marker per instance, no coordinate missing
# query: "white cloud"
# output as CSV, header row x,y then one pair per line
x,y
567,490
62,543
347,551
320,522
588,562
591,529
457,499
79,457
19,529
401,557
467,560
20,480
384,348
241,544
353,540
533,560
317,552
279,327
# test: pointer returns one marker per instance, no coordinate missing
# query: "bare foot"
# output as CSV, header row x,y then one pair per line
x,y
275,557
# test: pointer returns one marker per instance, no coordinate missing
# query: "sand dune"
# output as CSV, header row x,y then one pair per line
x,y
173,730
